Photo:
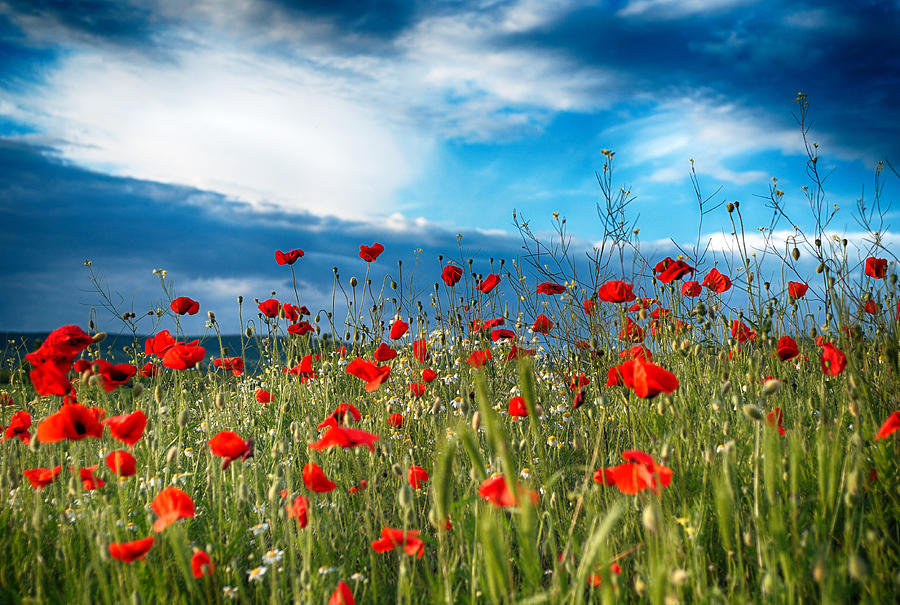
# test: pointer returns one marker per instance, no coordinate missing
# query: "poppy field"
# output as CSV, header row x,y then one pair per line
x,y
509,436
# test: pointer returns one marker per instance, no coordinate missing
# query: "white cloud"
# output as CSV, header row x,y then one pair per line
x,y
675,9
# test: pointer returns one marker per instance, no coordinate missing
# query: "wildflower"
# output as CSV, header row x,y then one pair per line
x,y
288,258
41,477
774,419
451,275
797,289
646,379
270,308
416,475
489,283
315,479
578,381
259,528
640,472
304,369
256,574
122,463
384,353
339,414
299,510
372,374
550,288
300,328
478,358
235,364
183,356
717,282
201,564
370,253
504,334
637,352
18,427
517,407
114,375
346,438
183,304
395,420
230,592
273,556
131,551
833,360
787,348
691,288
127,428
73,421
149,370
398,329
417,388
342,595
668,270
263,396
741,332
497,492
428,375
876,267
391,538
889,427
631,332
230,446
420,350
871,307
616,291
542,324
171,504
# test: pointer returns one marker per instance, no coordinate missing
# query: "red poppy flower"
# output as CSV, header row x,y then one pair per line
x,y
391,538
183,304
542,324
517,352
797,289
416,476
490,282
299,510
578,381
589,306
876,267
235,364
230,446
451,275
290,312
428,375
503,333
355,489
18,427
578,400
301,328
315,479
49,377
121,463
669,269
774,419
271,308
616,291
114,375
288,258
478,358
871,307
338,415
646,379
342,595
787,348
72,421
833,359
370,253
201,564
717,282
131,551
6,399
66,341
159,344
631,332
889,427
645,303
517,407
171,504
479,325
183,356
372,374
398,329
263,396
303,369
417,388
41,477
127,428
691,288
420,350
149,370
338,436
550,288
384,353
742,331
496,491
640,472
637,352
88,481
395,420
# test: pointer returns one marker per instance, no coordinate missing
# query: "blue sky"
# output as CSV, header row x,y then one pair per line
x,y
200,138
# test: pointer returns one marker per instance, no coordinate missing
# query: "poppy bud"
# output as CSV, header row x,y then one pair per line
x,y
274,489
893,279
771,387
853,482
678,577
182,419
171,453
754,412
730,207
795,253
36,516
98,337
137,390
212,316
476,420
857,568
220,401
396,469
642,314
353,282
405,496
648,519
243,492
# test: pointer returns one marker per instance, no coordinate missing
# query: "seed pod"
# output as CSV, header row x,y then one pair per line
x,y
820,268
220,401
795,253
754,412
182,418
171,453
98,337
729,207
157,394
353,282
405,496
476,420
137,390
771,386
